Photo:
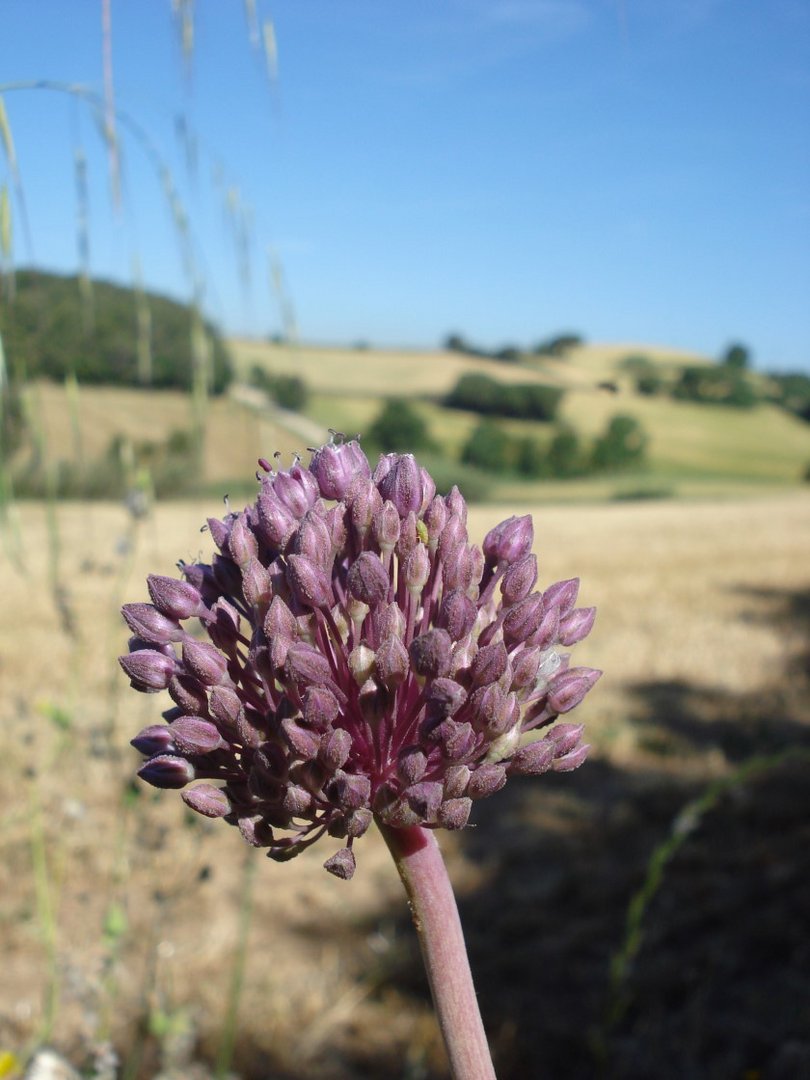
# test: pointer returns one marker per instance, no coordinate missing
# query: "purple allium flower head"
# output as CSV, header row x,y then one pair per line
x,y
363,659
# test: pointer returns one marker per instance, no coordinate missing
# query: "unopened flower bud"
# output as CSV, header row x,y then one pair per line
x,y
386,527
457,614
416,569
562,595
321,708
361,663
304,743
572,760
167,771
402,484
454,813
445,697
177,599
190,694
411,764
570,687
342,864
309,583
531,760
509,541
276,522
256,584
210,801
392,662
335,468
148,670
193,735
435,519
456,778
242,543
522,620
576,625
489,664
155,739
296,490
486,780
367,579
204,662
314,540
365,501
150,624
430,653
424,799
519,580
335,748
307,667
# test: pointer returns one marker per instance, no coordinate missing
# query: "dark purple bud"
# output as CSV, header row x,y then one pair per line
x,y
256,585
210,801
411,764
358,821
335,520
430,654
386,526
280,621
155,739
456,779
445,697
303,742
220,531
296,800
336,467
226,574
569,688
335,747
306,666
177,599
367,579
342,864
457,614
189,694
522,620
242,543
148,670
456,740
408,537
204,662
402,484
320,708
392,662
390,622
416,569
225,706
486,780
572,760
424,799
167,771
251,728
562,595
309,583
531,760
193,735
489,664
348,791
576,625
276,522
487,704
510,540
454,813
519,580
454,534
150,624
314,540
428,490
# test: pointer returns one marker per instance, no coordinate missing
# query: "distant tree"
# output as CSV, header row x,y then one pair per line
x,y
488,447
558,345
737,357
488,397
399,427
510,354
565,454
649,384
715,385
623,444
455,343
530,457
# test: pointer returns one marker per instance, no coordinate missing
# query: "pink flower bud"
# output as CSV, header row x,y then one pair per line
x,y
151,625
320,708
335,748
569,688
314,540
562,595
489,664
531,760
155,739
522,620
193,735
204,662
430,653
486,780
457,614
572,760
416,569
402,484
386,527
576,625
242,543
424,799
304,743
411,764
276,522
519,580
454,813
190,694
296,490
342,864
392,662
456,778
436,517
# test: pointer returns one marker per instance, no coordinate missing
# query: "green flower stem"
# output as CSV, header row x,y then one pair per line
x,y
435,916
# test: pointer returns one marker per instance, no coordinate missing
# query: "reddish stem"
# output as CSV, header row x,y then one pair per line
x,y
435,916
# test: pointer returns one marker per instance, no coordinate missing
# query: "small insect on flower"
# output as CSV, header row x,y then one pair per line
x,y
363,660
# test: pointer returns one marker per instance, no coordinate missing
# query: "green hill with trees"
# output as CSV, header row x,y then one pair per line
x,y
100,333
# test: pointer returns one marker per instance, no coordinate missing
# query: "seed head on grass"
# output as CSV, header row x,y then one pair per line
x,y
362,659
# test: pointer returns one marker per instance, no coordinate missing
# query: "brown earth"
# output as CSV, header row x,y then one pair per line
x,y
120,914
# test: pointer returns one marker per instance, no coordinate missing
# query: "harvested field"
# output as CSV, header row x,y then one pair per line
x,y
120,915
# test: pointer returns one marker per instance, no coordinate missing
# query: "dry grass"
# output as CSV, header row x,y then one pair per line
x,y
686,592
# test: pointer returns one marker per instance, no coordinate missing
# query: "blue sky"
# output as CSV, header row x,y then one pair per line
x,y
634,170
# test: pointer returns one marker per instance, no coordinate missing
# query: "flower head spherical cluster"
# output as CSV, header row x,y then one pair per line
x,y
361,658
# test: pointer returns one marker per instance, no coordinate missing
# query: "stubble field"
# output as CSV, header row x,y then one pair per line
x,y
120,916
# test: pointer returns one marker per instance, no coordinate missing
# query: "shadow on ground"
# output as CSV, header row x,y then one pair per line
x,y
715,980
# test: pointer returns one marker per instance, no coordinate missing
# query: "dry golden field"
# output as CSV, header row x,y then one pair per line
x,y
120,916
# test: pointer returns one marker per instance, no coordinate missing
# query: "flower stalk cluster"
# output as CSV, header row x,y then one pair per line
x,y
361,659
